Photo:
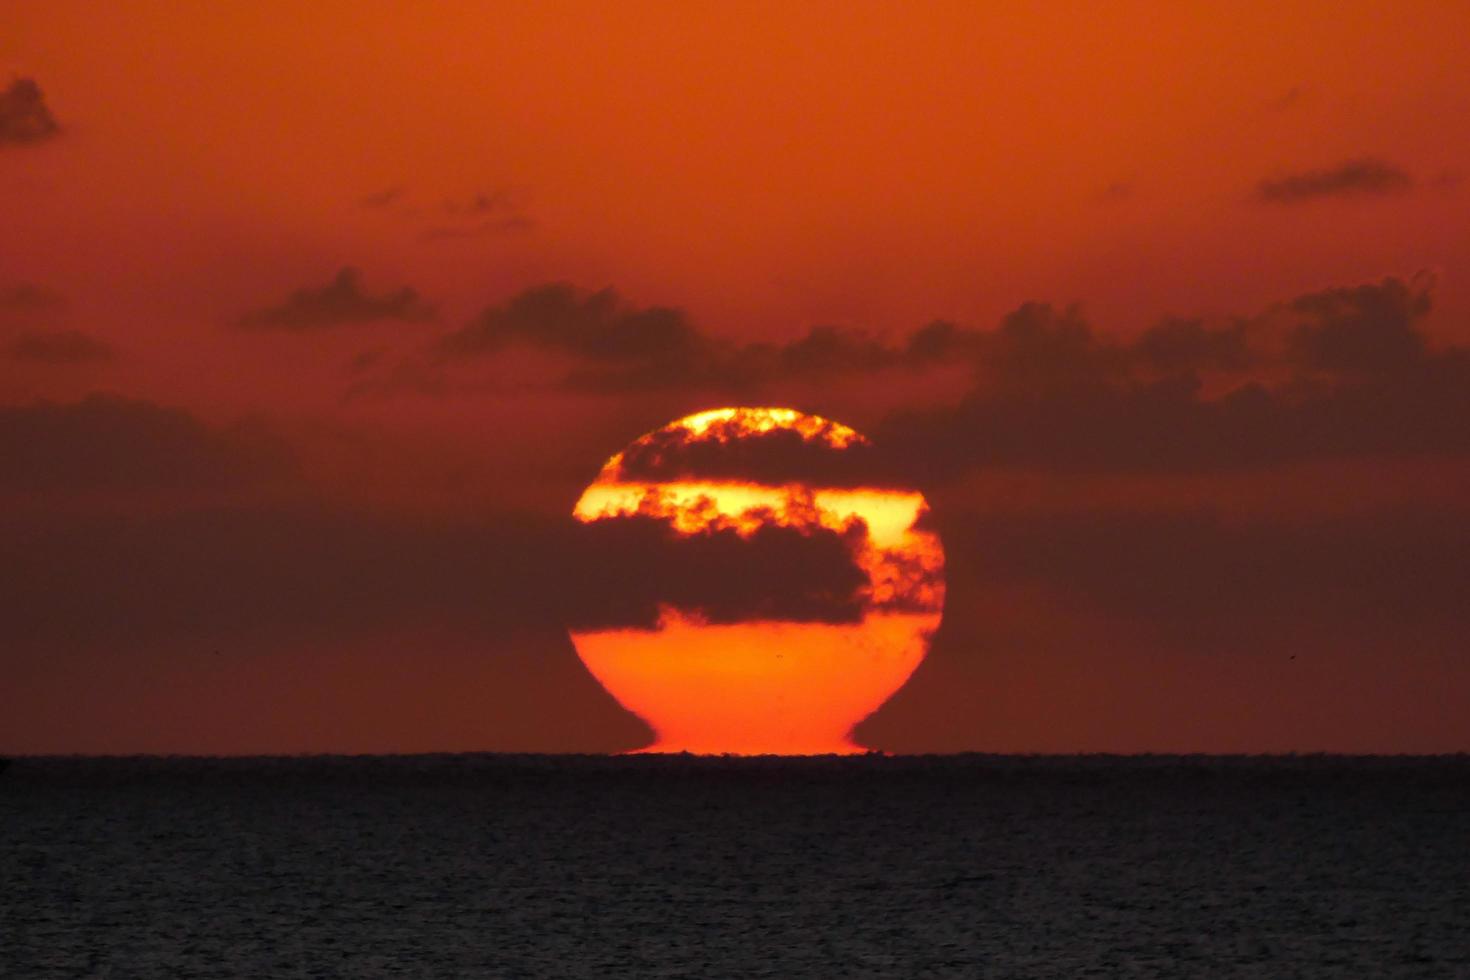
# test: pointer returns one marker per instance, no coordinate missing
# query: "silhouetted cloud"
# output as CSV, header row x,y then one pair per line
x,y
342,301
626,568
1363,177
1341,372
91,574
1337,373
627,348
384,197
1447,181
776,457
823,352
24,116
1206,582
480,205
1289,99
106,443
1362,331
221,575
58,347
1193,345
484,213
226,575
26,304
598,326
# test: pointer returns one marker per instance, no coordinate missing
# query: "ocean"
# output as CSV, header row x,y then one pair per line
x,y
664,866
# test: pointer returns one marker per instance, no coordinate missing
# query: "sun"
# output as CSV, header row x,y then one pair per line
x,y
758,582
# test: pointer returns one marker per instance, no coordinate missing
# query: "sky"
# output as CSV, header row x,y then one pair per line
x,y
316,320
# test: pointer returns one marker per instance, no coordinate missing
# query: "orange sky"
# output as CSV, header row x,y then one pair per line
x,y
763,168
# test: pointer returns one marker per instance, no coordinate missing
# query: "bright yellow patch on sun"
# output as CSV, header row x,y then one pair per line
x,y
889,514
757,420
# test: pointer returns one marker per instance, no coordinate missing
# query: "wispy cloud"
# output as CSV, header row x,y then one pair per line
x,y
1362,177
383,198
342,301
24,115
483,213
59,347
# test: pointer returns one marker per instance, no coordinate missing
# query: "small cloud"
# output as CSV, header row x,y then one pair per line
x,y
384,197
111,443
342,301
778,572
59,347
26,303
481,205
24,117
484,213
596,325
1117,191
1447,180
364,361
1363,177
1289,99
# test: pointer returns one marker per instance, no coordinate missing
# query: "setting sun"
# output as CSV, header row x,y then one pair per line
x,y
773,660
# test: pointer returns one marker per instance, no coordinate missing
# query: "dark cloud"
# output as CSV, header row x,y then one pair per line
x,y
598,326
481,205
1363,177
1204,582
24,116
1361,331
205,575
626,348
59,347
1038,346
776,457
227,576
1289,99
1335,373
1193,345
623,348
134,529
940,341
107,443
1203,627
1338,373
384,197
223,576
827,349
364,361
1342,372
342,301
29,331
26,304
707,362
485,213
1447,180
627,567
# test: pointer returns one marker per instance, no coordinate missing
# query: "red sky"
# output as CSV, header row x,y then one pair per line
x,y
296,525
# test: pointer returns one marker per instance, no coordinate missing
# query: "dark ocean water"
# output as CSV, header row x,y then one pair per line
x,y
496,866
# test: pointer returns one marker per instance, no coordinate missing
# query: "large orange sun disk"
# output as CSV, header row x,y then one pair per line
x,y
768,687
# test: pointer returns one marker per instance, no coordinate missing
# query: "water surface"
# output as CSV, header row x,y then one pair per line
x,y
527,866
